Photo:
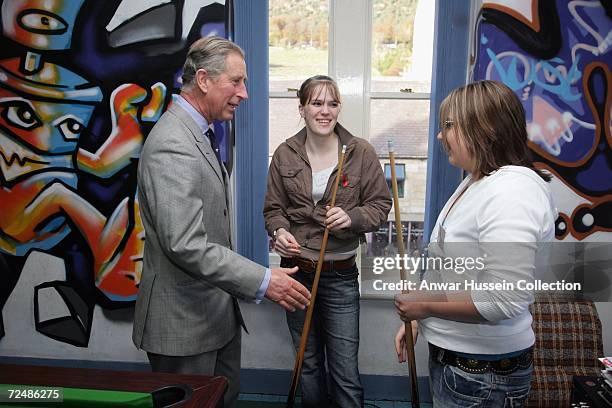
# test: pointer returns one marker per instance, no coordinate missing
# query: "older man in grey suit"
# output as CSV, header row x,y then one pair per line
x,y
187,317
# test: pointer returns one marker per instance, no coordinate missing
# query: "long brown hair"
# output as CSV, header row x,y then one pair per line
x,y
490,121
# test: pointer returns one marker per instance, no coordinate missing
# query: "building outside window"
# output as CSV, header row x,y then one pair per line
x,y
400,176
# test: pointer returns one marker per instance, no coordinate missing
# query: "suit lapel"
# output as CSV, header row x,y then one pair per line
x,y
207,151
203,145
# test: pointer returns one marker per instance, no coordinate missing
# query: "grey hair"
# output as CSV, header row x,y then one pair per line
x,y
208,53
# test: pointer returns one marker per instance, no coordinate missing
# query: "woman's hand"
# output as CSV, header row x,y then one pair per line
x,y
400,340
408,308
336,218
286,245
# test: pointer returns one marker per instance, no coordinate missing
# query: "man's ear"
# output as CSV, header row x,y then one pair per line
x,y
201,78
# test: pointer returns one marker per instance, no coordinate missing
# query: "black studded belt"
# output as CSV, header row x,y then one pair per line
x,y
503,366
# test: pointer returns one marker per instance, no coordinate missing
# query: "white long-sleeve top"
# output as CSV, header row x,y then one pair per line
x,y
512,208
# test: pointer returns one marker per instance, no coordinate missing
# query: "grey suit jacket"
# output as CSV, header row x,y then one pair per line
x,y
191,278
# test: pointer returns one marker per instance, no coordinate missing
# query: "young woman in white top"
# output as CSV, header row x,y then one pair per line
x,y
479,331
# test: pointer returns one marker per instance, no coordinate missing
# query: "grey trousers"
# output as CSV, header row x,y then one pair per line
x,y
225,362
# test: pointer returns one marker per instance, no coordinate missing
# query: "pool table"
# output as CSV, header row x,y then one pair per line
x,y
194,391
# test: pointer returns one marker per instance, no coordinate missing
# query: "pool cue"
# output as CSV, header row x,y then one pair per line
x,y
297,369
400,248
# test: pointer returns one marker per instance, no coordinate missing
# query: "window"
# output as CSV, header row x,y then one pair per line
x,y
400,176
400,73
298,42
380,53
298,49
383,243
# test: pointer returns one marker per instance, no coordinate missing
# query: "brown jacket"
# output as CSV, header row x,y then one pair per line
x,y
363,193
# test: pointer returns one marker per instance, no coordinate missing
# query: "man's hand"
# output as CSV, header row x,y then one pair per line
x,y
286,291
286,245
400,340
336,218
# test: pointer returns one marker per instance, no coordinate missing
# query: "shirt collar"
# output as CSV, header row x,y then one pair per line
x,y
195,115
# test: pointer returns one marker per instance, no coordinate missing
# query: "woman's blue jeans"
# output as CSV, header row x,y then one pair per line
x,y
452,387
334,334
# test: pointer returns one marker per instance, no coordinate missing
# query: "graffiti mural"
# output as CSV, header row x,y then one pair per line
x,y
556,56
81,84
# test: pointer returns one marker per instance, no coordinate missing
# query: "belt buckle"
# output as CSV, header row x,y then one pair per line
x,y
309,265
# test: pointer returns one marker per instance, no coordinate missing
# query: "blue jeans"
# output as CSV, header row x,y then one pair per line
x,y
334,334
452,387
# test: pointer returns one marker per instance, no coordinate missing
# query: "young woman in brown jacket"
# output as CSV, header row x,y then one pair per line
x,y
297,211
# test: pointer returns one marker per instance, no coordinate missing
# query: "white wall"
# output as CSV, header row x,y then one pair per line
x,y
110,334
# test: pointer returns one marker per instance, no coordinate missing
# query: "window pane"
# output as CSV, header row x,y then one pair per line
x,y
405,121
297,41
402,45
285,121
400,176
383,243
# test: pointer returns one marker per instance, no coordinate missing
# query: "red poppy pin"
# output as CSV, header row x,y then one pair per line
x,y
344,180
